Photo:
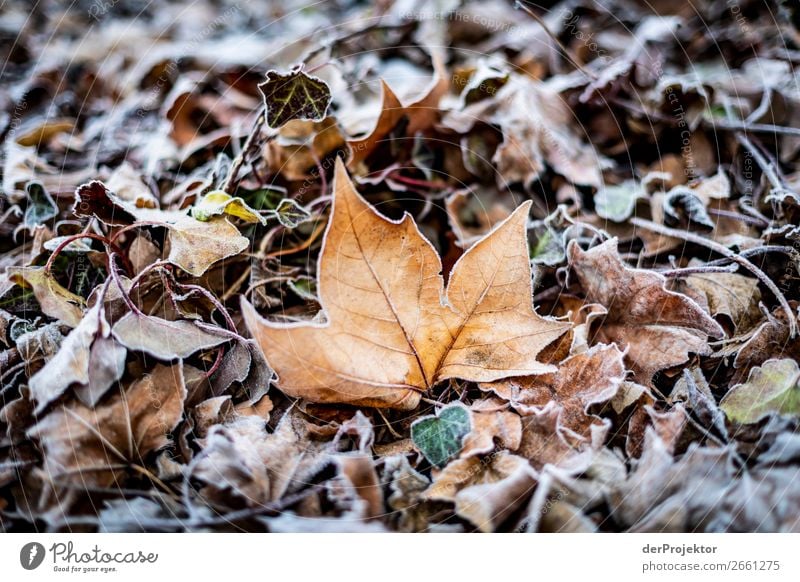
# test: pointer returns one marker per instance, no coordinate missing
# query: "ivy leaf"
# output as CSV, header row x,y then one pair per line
x,y
771,387
616,202
41,207
290,214
441,437
218,202
295,95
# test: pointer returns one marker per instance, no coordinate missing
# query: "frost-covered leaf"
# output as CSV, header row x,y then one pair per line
x,y
217,202
441,437
772,387
295,95
389,333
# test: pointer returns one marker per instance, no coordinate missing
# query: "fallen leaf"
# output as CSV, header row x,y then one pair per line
x,y
420,114
658,328
54,300
441,437
492,426
545,442
410,333
485,491
218,202
581,381
194,245
86,446
161,338
772,387
295,95
536,127
86,358
258,467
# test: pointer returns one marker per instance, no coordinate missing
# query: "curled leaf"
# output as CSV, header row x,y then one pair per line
x,y
218,202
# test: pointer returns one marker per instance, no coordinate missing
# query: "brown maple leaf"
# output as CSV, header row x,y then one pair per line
x,y
392,331
659,328
421,114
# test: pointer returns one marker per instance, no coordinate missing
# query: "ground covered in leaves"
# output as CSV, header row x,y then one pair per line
x,y
399,266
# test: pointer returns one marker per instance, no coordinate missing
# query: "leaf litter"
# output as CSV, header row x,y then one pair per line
x,y
415,272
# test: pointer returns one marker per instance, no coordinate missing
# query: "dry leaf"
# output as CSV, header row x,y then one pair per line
x,y
657,328
492,425
546,442
536,125
55,301
581,381
485,491
86,358
163,339
391,331
194,245
85,446
420,114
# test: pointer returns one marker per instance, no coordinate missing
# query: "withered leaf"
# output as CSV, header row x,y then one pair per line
x,y
89,446
420,114
195,245
493,424
84,359
485,491
54,300
392,331
295,95
95,199
162,338
581,381
657,328
546,442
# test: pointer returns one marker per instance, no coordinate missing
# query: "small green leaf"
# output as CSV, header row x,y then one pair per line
x,y
440,437
41,207
295,95
616,203
290,214
772,387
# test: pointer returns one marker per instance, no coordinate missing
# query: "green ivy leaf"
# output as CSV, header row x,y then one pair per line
x,y
295,95
290,214
772,387
440,437
41,207
616,202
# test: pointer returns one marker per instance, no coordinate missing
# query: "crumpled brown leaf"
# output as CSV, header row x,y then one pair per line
x,y
658,328
581,381
242,458
90,446
392,330
485,490
536,125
